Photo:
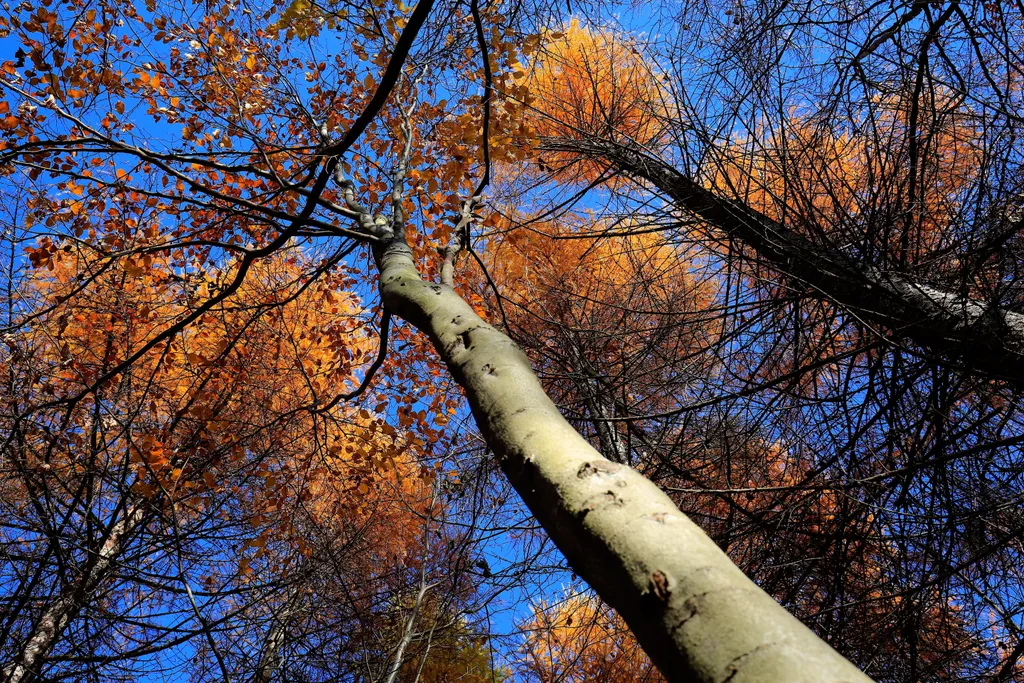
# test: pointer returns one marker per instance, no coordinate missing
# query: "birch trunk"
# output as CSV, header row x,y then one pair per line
x,y
693,611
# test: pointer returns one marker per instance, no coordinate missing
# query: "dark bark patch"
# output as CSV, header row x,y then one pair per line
x,y
601,501
595,468
736,664
690,608
660,585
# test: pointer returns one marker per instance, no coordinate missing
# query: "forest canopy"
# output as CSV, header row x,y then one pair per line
x,y
487,340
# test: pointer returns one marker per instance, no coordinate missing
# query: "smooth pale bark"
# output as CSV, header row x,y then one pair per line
x,y
407,633
976,335
693,611
270,656
66,606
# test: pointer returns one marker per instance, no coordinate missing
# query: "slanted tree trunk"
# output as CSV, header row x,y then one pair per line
x,y
979,336
66,606
270,656
407,634
693,611
600,408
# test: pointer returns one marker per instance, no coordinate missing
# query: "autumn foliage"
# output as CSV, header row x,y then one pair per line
x,y
225,417
622,310
226,454
825,180
589,81
579,640
588,312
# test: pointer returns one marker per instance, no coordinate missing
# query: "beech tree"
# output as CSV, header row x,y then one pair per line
x,y
853,199
259,241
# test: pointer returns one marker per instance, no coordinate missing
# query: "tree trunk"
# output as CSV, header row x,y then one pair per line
x,y
59,614
977,335
270,655
407,633
693,611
